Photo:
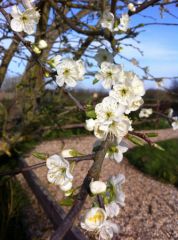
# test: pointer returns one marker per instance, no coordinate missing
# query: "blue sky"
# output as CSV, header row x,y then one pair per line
x,y
159,44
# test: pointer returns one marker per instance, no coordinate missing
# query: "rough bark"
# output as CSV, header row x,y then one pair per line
x,y
7,58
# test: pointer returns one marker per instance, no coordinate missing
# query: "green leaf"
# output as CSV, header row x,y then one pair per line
x,y
141,25
68,201
91,114
75,153
152,134
158,147
42,156
95,81
136,140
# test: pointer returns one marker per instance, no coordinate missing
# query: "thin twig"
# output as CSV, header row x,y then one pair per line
x,y
38,165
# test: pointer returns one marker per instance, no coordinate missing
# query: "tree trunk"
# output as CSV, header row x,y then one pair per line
x,y
7,58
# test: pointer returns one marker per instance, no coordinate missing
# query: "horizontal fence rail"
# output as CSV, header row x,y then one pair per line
x,y
52,209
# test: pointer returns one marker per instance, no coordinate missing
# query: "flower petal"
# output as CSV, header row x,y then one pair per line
x,y
29,26
16,25
16,13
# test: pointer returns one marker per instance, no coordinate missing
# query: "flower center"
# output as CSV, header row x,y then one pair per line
x,y
109,74
104,57
66,72
124,92
109,20
63,171
108,114
98,217
24,18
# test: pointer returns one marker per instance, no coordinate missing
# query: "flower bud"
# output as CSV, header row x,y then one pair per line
x,y
36,49
42,44
90,123
66,186
97,187
46,74
70,153
131,7
68,193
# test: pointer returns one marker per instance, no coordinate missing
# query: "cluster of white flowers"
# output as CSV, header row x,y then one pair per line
x,y
69,71
24,21
96,219
145,112
108,21
125,95
59,172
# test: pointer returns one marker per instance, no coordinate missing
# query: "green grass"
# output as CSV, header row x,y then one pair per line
x,y
162,165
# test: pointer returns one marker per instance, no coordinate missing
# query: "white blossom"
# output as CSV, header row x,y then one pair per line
x,y
107,20
103,55
109,74
175,123
112,209
136,83
54,62
129,92
66,186
107,230
124,23
42,44
116,152
69,72
25,21
121,127
134,105
117,182
59,171
94,219
27,3
101,129
131,7
97,187
108,110
122,93
145,112
90,124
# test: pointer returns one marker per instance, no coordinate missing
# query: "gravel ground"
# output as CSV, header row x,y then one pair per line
x,y
151,210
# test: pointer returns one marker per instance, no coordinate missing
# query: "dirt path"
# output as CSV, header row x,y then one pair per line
x,y
151,210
